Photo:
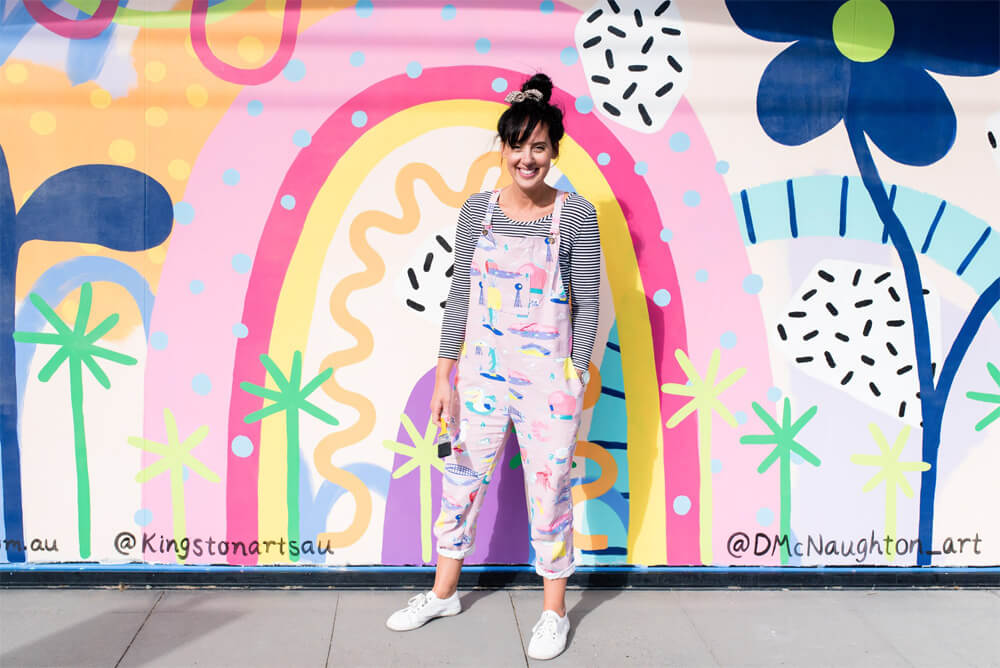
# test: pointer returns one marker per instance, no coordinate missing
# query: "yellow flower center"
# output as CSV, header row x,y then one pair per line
x,y
863,30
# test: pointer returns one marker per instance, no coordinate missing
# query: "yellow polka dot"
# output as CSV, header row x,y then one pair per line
x,y
43,122
16,73
157,255
122,151
156,117
250,49
197,95
100,98
275,7
155,71
179,169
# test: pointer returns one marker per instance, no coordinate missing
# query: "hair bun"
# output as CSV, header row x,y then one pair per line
x,y
542,83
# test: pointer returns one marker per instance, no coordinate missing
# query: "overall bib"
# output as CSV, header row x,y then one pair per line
x,y
515,368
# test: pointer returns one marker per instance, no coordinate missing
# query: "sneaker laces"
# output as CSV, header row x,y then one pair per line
x,y
546,626
417,602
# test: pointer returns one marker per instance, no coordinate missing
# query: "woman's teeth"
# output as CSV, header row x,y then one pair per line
x,y
527,172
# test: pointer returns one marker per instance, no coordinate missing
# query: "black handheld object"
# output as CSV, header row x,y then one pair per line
x,y
443,442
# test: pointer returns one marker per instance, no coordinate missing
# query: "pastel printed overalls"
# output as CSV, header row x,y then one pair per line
x,y
515,367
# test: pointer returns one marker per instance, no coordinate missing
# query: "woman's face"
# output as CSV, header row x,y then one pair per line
x,y
529,162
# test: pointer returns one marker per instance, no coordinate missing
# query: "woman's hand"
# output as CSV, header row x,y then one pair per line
x,y
441,397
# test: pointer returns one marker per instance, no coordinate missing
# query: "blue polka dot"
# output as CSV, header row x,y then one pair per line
x,y
682,505
288,202
569,56
741,417
641,168
201,384
679,142
196,287
499,85
666,236
158,340
728,340
603,158
414,69
240,330
448,12
364,8
716,466
231,177
692,198
722,166
302,138
796,458
773,394
753,284
242,263
183,213
765,516
661,297
584,104
143,516
483,45
357,59
359,119
185,473
295,70
242,446
547,7
255,107
701,275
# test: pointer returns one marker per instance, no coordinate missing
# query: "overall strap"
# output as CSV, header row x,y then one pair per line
x,y
488,220
561,197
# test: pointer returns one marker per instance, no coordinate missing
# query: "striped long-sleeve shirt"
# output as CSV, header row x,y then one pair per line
x,y
579,259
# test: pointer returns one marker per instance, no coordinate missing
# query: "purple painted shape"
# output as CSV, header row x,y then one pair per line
x,y
502,534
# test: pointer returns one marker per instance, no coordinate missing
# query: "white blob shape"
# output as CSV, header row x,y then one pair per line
x,y
635,56
838,300
423,283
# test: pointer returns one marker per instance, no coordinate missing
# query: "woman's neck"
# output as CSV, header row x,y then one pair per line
x,y
538,198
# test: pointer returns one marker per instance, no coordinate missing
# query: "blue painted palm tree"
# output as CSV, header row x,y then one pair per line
x,y
115,207
866,62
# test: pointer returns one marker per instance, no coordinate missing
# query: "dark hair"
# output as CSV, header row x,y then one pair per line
x,y
518,122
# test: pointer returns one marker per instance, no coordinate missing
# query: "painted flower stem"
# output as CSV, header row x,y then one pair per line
x,y
705,515
80,452
932,399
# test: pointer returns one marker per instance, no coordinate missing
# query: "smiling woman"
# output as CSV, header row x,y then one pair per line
x,y
515,248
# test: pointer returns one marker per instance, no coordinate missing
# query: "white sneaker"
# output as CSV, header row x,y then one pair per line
x,y
548,636
421,609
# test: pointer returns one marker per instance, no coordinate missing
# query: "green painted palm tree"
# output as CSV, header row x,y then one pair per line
x,y
989,398
422,454
77,347
891,473
175,454
704,393
782,436
290,397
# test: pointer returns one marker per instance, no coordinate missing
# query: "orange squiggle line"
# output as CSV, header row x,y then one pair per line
x,y
373,272
594,489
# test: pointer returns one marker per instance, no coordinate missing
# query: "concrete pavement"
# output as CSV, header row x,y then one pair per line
x,y
278,628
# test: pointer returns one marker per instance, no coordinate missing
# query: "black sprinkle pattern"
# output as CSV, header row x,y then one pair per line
x,y
419,308
847,378
594,16
611,109
903,369
628,91
811,335
664,89
868,360
891,348
782,333
895,323
829,359
609,58
450,271
662,8
826,276
832,309
597,78
991,139
645,115
804,360
412,275
428,261
638,68
614,6
868,328
647,45
444,303
843,337
857,278
902,408
638,18
593,41
443,243
893,294
674,64
617,32
874,388
807,296
882,277
797,314
671,31
863,303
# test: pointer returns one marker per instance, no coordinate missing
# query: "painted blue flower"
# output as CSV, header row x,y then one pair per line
x,y
865,62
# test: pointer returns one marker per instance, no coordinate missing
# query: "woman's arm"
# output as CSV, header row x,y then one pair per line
x,y
456,310
585,285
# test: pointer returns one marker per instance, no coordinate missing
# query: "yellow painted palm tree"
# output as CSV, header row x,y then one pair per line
x,y
704,393
891,473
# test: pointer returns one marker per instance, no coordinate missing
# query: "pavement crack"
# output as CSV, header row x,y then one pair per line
x,y
138,630
329,646
517,625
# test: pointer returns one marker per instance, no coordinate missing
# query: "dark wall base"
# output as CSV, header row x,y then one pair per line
x,y
498,577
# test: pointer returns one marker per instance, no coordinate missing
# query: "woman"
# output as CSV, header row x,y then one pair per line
x,y
523,349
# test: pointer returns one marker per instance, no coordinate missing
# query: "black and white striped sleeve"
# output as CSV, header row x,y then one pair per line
x,y
456,310
585,279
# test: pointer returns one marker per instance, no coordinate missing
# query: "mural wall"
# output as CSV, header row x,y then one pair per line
x,y
226,230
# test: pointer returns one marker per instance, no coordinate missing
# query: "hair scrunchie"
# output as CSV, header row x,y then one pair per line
x,y
522,95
